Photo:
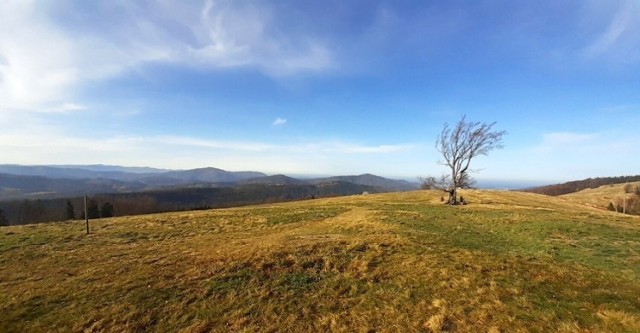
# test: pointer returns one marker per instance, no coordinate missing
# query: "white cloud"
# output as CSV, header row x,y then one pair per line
x,y
566,156
45,64
564,139
46,144
66,107
213,144
325,147
232,34
348,148
562,145
35,59
279,121
570,156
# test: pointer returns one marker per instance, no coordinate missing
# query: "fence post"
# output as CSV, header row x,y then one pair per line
x,y
86,214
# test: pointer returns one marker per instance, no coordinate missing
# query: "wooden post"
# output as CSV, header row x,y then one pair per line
x,y
86,214
624,199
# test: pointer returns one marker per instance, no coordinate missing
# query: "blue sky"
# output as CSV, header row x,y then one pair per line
x,y
321,87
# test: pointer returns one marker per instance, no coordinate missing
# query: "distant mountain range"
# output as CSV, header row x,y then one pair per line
x,y
56,181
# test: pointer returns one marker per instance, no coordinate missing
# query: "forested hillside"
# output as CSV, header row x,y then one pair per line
x,y
173,199
578,185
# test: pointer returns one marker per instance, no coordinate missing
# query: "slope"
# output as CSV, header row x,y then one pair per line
x,y
602,196
508,261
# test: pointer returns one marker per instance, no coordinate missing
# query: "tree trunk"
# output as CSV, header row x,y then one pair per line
x,y
453,195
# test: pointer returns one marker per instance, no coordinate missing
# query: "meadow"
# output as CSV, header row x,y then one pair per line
x,y
602,196
398,262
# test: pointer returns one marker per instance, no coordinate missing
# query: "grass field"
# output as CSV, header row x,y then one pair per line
x,y
401,262
600,197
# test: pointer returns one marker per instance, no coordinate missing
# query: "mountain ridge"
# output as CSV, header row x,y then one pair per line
x,y
47,181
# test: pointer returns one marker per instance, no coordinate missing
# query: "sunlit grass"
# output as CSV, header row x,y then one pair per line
x,y
507,262
600,197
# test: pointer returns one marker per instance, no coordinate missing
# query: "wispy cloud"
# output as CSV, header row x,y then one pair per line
x,y
212,144
556,144
619,42
56,146
232,34
45,64
36,64
565,156
621,109
54,138
571,147
567,138
65,108
327,147
348,148
279,122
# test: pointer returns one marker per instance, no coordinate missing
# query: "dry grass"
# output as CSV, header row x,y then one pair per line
x,y
508,262
599,197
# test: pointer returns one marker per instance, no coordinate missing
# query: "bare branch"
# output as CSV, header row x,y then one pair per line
x,y
433,183
458,146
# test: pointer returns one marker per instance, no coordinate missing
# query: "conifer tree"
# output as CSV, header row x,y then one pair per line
x,y
70,211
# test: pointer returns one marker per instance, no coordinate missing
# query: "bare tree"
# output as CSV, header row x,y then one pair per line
x,y
3,219
628,188
458,146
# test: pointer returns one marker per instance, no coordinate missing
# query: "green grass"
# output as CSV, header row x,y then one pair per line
x,y
508,262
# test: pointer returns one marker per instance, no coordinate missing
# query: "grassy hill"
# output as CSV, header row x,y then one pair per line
x,y
601,197
508,262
